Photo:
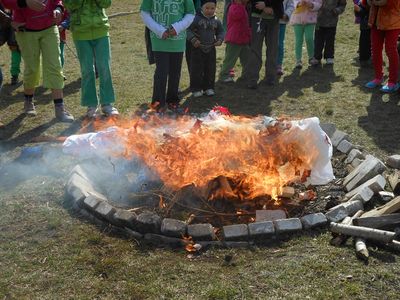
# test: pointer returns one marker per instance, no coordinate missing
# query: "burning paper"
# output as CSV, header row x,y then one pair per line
x,y
259,155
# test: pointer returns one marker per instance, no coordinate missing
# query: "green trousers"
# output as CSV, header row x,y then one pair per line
x,y
302,32
232,53
95,52
15,62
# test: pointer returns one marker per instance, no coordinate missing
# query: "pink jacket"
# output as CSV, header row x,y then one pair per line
x,y
238,27
303,15
37,20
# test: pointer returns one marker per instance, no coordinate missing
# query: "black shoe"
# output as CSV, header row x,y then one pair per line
x,y
14,79
252,85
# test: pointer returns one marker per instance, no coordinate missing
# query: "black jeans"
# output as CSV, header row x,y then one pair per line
x,y
203,67
324,40
168,69
364,44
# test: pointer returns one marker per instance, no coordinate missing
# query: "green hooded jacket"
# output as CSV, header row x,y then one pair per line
x,y
88,18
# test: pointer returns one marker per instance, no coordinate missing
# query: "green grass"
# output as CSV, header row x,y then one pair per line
x,y
48,252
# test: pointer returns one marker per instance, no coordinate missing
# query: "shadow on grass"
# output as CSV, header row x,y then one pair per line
x,y
382,121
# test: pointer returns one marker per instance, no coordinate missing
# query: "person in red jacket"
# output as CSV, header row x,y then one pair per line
x,y
37,35
237,39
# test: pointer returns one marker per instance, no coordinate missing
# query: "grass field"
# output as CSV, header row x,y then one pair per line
x,y
47,252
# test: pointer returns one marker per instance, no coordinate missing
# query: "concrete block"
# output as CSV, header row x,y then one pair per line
x,y
105,210
329,128
174,228
91,202
376,184
339,136
125,218
148,222
354,153
353,206
200,232
393,161
386,196
364,194
288,225
356,162
313,220
345,146
235,232
337,213
261,229
365,171
270,215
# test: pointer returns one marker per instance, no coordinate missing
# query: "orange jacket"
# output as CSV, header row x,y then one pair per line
x,y
385,17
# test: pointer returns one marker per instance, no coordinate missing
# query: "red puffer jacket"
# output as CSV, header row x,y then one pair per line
x,y
238,27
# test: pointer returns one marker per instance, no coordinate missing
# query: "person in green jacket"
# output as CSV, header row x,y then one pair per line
x,y
90,32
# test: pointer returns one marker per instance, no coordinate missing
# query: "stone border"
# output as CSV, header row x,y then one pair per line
x,y
362,183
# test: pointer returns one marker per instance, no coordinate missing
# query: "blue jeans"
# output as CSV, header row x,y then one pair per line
x,y
281,44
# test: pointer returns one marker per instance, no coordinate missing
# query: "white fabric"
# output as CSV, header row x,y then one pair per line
x,y
155,27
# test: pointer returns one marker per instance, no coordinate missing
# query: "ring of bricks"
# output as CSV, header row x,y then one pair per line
x,y
362,184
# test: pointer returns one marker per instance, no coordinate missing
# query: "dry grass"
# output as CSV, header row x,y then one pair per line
x,y
47,252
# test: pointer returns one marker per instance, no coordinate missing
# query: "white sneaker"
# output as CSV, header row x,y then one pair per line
x,y
109,110
91,112
197,94
314,61
228,80
330,61
209,92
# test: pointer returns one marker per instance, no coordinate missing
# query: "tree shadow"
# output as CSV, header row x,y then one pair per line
x,y
382,121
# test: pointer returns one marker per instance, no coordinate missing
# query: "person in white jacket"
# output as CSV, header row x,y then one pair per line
x,y
288,6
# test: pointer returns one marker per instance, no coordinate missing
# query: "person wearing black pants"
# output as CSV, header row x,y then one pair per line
x,y
168,68
203,68
324,40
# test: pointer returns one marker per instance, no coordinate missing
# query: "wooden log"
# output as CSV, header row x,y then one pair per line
x,y
388,208
394,182
363,232
377,222
226,187
361,249
341,238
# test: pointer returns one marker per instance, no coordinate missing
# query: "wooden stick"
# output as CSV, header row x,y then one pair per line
x,y
361,249
363,232
341,238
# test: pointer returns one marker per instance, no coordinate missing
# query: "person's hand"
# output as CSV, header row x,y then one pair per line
x,y
310,5
37,5
260,5
17,25
268,10
165,35
57,16
196,43
60,28
218,43
357,8
285,18
172,31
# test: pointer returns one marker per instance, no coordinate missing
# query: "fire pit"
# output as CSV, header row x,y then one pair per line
x,y
219,178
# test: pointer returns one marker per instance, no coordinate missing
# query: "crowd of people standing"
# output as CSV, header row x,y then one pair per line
x,y
191,27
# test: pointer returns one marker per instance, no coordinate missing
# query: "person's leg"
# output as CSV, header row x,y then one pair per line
x,y
281,44
232,52
309,37
252,72
319,41
244,55
30,50
209,70
377,39
391,37
271,42
62,47
102,55
365,45
174,76
84,50
160,78
52,71
330,35
299,38
196,75
15,65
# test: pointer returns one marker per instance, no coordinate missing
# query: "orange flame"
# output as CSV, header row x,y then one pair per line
x,y
183,151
